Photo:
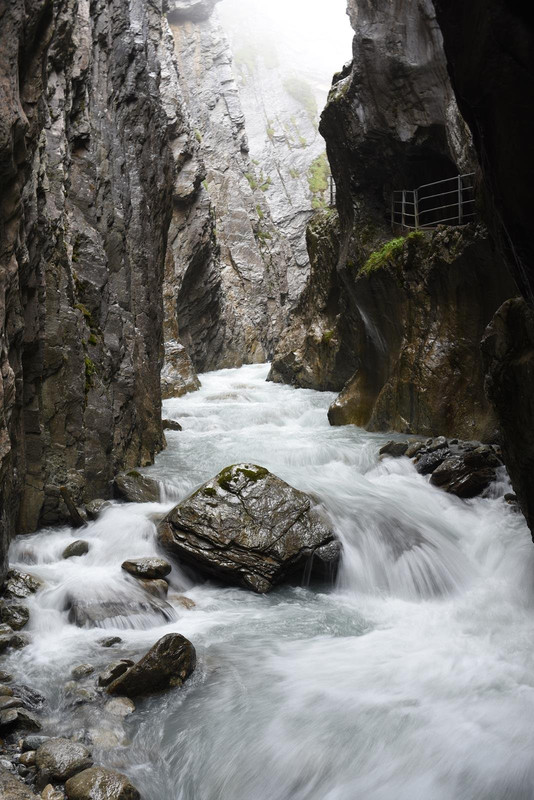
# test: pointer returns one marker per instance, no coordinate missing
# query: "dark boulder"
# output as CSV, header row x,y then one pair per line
x,y
394,449
166,665
78,548
14,615
251,529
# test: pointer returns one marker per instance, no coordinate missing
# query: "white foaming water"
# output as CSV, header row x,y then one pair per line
x,y
412,679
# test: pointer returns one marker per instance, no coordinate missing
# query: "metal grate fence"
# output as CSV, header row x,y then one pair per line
x,y
447,202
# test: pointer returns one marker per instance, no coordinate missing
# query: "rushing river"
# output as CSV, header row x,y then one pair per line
x,y
411,679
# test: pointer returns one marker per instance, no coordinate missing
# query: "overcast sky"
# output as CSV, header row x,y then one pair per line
x,y
312,36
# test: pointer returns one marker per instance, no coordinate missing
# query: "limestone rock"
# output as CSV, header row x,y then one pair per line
x,y
99,783
249,528
62,758
166,665
137,488
150,567
77,548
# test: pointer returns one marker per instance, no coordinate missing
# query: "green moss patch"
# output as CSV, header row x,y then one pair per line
x,y
389,252
252,474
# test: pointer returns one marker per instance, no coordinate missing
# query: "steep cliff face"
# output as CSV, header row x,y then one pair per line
x,y
86,158
392,123
490,53
227,270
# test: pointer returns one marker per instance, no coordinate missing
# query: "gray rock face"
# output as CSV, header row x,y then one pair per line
x,y
228,289
166,665
392,123
508,348
98,783
249,528
82,249
14,615
62,758
178,376
137,488
20,584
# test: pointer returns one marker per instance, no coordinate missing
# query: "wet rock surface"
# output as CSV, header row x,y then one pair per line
x,y
150,567
166,665
12,788
95,615
178,376
78,548
464,469
62,758
249,528
98,783
136,488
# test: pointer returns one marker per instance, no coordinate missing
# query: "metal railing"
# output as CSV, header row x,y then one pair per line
x,y
447,202
332,186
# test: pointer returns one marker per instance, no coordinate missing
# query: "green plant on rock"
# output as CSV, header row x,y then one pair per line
x,y
90,370
252,182
389,252
198,136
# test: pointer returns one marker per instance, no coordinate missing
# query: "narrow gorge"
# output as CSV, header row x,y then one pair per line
x,y
266,400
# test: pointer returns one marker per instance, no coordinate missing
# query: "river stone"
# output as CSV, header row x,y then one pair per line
x,y
120,706
394,449
28,758
99,783
5,690
6,636
21,584
171,425
155,586
251,529
111,641
78,548
98,615
137,488
150,567
166,665
49,793
19,719
10,702
113,671
13,789
82,671
34,742
95,507
62,758
14,615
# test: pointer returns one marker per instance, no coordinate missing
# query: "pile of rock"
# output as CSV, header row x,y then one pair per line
x,y
59,768
464,469
151,573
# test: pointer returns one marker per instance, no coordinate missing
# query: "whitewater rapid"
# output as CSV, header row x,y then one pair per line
x,y
411,679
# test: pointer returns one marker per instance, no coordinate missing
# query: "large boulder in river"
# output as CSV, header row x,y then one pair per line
x,y
251,529
166,665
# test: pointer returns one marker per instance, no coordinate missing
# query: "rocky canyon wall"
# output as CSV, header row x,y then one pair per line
x,y
401,331
90,145
229,270
490,53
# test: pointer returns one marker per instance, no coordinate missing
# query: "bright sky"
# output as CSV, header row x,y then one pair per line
x,y
311,36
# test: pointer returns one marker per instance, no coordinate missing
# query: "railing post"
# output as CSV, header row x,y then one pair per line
x,y
403,207
460,201
416,208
